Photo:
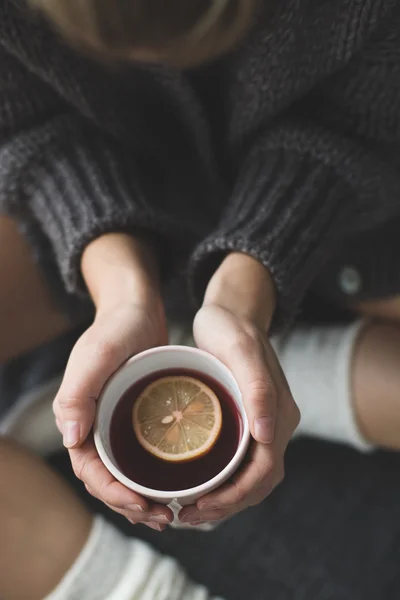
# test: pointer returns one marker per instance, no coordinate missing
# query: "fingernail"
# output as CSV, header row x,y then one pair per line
x,y
134,508
189,518
268,491
206,506
195,523
264,430
71,434
132,521
155,526
159,519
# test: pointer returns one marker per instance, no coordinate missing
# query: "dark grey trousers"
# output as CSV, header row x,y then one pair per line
x,y
331,532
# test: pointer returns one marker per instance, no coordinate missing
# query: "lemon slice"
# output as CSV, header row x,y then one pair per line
x,y
177,419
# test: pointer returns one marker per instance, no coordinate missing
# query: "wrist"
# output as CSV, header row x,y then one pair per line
x,y
245,287
119,269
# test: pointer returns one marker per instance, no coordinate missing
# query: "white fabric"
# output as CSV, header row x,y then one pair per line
x,y
99,566
31,420
317,362
149,576
180,335
113,567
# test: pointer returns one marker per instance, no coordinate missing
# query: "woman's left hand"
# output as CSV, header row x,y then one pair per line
x,y
233,326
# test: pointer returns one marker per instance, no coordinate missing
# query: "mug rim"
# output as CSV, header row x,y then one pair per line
x,y
205,487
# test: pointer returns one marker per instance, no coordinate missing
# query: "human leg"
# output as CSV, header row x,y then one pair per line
x,y
345,379
51,548
28,316
376,374
42,526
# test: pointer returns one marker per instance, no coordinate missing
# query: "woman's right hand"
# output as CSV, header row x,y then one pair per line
x,y
122,279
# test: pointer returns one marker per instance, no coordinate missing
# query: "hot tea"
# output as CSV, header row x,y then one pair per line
x,y
145,469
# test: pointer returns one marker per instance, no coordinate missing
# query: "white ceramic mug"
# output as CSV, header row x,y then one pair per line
x,y
142,365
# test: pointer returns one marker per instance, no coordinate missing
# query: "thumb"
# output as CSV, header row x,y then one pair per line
x,y
93,360
243,351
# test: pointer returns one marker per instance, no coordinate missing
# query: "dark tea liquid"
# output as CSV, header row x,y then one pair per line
x,y
141,467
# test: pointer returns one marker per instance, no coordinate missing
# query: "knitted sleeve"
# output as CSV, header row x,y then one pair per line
x,y
66,182
328,168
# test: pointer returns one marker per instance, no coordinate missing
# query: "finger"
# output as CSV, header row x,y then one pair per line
x,y
156,526
268,479
138,519
133,521
101,484
114,494
89,468
193,516
288,411
152,517
257,471
256,476
265,490
131,517
286,423
287,420
95,357
244,353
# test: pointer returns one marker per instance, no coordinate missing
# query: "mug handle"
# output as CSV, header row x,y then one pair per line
x,y
176,524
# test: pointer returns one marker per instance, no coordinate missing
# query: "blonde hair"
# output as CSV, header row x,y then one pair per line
x,y
182,32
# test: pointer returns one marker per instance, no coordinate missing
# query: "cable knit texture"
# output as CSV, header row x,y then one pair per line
x,y
285,150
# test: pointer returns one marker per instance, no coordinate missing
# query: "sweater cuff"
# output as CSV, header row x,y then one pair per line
x,y
284,212
76,185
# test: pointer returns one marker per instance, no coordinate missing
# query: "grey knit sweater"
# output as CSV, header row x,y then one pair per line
x,y
284,150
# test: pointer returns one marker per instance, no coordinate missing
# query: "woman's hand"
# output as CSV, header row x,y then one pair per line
x,y
122,279
233,326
